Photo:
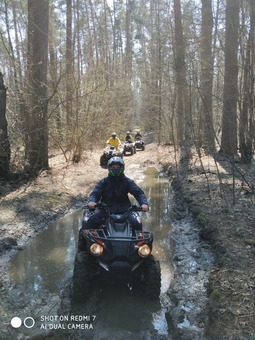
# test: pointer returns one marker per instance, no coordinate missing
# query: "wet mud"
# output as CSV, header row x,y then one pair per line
x,y
40,280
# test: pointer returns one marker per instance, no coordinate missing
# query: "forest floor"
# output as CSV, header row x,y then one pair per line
x,y
202,185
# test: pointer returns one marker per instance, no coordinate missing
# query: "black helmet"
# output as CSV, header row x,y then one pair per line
x,y
114,134
116,161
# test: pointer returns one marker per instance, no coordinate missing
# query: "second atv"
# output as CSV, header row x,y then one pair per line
x,y
130,147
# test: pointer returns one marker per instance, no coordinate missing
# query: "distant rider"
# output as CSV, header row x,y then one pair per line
x,y
129,137
138,135
113,190
114,141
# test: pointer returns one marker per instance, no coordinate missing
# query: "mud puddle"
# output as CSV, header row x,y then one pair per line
x,y
48,259
45,267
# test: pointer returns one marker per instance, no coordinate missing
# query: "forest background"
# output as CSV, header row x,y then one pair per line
x,y
77,70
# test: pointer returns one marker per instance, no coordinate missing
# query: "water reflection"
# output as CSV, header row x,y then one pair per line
x,y
159,192
48,259
157,219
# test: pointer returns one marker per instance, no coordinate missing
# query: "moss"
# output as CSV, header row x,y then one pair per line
x,y
51,199
250,242
215,295
201,220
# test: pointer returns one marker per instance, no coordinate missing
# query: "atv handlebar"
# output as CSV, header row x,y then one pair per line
x,y
104,206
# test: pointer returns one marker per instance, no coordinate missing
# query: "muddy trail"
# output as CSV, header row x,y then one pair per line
x,y
38,252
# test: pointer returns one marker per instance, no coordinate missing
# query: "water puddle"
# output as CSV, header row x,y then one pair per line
x,y
159,193
48,259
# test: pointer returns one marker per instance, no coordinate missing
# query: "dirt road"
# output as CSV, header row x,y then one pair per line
x,y
193,305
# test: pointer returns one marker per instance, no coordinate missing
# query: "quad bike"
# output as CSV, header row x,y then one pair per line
x,y
115,253
139,144
108,153
129,146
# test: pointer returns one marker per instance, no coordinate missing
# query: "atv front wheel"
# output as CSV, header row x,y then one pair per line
x,y
152,277
82,243
81,276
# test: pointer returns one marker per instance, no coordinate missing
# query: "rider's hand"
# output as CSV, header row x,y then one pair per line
x,y
91,205
144,207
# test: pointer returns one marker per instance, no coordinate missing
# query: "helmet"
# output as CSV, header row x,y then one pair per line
x,y
116,172
114,134
128,133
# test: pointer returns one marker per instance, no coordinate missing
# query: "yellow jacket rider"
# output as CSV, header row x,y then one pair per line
x,y
114,141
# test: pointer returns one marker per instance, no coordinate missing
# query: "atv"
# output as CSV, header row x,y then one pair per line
x,y
139,144
115,253
129,146
108,153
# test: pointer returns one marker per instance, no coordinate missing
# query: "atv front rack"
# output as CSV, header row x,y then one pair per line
x,y
102,234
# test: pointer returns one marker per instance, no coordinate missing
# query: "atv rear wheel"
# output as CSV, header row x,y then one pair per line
x,y
81,276
152,277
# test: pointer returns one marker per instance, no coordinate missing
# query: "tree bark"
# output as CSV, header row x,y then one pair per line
x,y
4,141
38,15
69,64
183,107
207,76
246,126
128,65
230,92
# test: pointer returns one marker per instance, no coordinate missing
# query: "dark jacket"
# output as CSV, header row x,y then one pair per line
x,y
114,192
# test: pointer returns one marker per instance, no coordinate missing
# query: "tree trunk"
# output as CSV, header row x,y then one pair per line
x,y
207,76
69,64
38,15
230,92
4,141
246,128
183,107
128,65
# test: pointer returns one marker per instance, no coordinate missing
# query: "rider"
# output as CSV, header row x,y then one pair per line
x,y
113,190
138,135
129,137
114,140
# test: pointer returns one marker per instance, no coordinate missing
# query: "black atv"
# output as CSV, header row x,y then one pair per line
x,y
108,153
139,144
130,147
115,253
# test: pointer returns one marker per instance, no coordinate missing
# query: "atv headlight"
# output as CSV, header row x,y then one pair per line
x,y
96,249
144,250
